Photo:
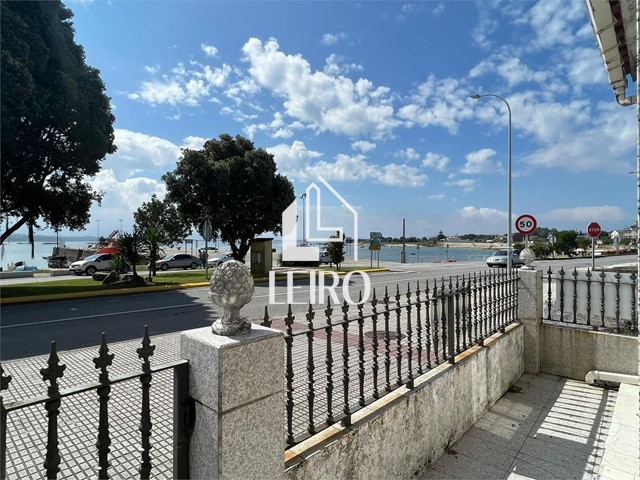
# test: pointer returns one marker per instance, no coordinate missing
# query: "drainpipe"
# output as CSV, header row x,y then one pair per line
x,y
594,375
622,98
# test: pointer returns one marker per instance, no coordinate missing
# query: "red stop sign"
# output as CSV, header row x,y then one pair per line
x,y
593,229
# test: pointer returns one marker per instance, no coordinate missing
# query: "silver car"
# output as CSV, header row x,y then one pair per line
x,y
93,263
216,262
179,260
499,258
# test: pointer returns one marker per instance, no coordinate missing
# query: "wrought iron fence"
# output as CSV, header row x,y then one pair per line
x,y
53,401
598,299
384,343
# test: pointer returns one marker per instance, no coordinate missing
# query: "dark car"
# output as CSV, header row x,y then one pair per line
x,y
179,260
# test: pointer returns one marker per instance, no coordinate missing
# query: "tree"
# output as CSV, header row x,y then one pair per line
x,y
441,237
566,242
336,251
235,186
57,124
163,216
129,245
152,240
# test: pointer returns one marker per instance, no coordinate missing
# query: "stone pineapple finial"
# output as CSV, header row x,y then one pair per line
x,y
231,288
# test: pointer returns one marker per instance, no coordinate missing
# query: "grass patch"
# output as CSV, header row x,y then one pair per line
x,y
86,284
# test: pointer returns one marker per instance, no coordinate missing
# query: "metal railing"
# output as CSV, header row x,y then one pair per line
x,y
384,343
183,410
597,299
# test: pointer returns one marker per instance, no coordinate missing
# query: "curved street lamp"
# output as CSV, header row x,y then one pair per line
x,y
476,97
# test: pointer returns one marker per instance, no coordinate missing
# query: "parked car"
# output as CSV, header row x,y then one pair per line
x,y
93,263
325,258
499,258
209,249
216,262
179,260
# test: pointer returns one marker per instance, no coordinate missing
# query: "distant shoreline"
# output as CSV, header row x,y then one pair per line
x,y
479,245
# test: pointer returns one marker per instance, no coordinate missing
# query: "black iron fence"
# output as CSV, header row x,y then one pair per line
x,y
597,299
352,355
183,417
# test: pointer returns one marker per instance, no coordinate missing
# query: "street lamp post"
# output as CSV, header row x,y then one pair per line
x,y
120,227
304,224
98,231
509,236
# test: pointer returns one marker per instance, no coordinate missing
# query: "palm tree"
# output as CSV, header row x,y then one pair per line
x,y
152,240
129,245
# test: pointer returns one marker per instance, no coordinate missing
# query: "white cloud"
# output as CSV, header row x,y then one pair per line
x,y
152,69
437,11
585,214
585,67
277,128
138,151
608,145
332,38
438,103
435,161
328,103
481,161
293,160
481,213
436,196
510,68
296,161
185,87
335,65
555,24
408,153
209,50
468,184
193,143
363,146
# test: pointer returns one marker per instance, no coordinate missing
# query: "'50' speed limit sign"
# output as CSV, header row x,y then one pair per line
x,y
526,224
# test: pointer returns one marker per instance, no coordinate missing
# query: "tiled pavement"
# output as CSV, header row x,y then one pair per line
x,y
546,427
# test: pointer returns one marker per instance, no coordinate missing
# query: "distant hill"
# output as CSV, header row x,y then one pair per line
x,y
20,237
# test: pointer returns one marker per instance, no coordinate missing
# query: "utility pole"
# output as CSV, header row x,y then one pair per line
x,y
403,257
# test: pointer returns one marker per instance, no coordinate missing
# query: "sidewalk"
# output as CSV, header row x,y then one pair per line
x,y
544,427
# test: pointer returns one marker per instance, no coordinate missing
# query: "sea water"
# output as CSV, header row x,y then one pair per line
x,y
15,252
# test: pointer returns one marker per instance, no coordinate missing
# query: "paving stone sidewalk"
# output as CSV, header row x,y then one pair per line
x,y
546,427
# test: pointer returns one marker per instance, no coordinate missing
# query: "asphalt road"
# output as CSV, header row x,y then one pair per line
x,y
28,329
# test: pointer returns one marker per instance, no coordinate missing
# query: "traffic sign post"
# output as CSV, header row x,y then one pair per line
x,y
552,241
526,224
207,234
593,230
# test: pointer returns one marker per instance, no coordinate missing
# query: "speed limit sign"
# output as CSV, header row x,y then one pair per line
x,y
526,224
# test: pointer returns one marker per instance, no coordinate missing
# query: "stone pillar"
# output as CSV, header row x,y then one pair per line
x,y
530,315
237,383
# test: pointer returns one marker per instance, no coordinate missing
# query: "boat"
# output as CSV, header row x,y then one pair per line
x,y
21,266
109,249
58,261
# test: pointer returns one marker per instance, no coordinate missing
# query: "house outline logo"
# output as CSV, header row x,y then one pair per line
x,y
290,250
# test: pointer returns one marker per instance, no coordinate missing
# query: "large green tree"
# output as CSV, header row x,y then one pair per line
x,y
164,216
566,242
234,185
57,124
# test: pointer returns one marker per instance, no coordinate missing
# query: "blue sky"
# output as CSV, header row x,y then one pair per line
x,y
374,97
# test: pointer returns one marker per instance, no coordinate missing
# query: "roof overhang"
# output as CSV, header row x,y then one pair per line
x,y
614,25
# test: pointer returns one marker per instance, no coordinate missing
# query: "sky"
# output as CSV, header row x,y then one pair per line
x,y
375,98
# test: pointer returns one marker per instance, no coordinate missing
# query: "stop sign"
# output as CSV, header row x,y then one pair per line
x,y
593,229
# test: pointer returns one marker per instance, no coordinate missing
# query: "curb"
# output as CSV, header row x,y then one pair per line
x,y
160,288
